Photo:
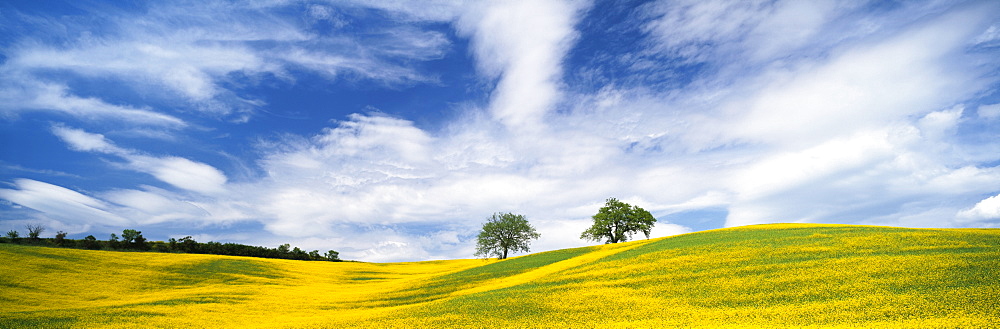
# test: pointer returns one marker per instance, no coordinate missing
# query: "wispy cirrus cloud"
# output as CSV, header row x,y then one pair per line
x,y
185,54
62,204
179,172
26,95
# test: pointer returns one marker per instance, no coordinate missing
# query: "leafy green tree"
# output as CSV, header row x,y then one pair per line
x,y
503,233
618,221
129,235
332,256
90,242
189,245
133,239
299,254
159,246
113,241
13,236
140,243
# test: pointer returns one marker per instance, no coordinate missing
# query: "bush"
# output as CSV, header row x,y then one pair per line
x,y
13,236
60,238
90,242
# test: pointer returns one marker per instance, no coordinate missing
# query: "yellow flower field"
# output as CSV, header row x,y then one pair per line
x,y
782,275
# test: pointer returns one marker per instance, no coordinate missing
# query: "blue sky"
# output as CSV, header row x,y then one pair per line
x,y
390,130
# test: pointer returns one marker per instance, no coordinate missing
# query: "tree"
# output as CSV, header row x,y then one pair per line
x,y
90,242
140,242
617,221
13,236
133,240
129,235
113,241
299,254
61,238
503,233
284,249
332,256
159,246
34,230
189,245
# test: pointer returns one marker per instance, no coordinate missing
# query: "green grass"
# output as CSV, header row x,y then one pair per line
x,y
766,262
789,275
440,287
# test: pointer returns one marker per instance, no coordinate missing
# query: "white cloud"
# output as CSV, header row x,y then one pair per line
x,y
185,67
788,26
387,250
431,10
525,51
80,140
991,111
182,173
61,204
691,28
883,176
556,233
781,171
179,172
816,137
939,124
848,92
988,208
753,32
376,136
23,94
185,55
347,62
153,205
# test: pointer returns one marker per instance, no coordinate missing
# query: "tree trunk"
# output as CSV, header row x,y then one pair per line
x,y
504,254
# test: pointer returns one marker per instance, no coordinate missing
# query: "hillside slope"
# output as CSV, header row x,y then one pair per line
x,y
756,276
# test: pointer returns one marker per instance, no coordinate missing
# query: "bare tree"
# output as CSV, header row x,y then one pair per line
x,y
34,230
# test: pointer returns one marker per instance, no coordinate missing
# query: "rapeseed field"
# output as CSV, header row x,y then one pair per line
x,y
781,275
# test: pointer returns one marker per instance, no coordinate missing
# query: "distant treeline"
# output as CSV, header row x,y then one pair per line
x,y
133,240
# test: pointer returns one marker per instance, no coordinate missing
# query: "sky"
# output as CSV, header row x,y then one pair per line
x,y
391,130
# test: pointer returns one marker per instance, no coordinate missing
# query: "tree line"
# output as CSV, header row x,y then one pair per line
x,y
132,240
502,234
615,222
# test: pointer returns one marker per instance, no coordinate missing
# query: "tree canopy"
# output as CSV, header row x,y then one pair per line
x,y
618,221
133,240
503,233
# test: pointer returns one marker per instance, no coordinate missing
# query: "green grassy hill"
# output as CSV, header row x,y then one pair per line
x,y
783,275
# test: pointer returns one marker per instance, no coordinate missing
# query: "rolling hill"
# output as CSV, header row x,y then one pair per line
x,y
779,275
